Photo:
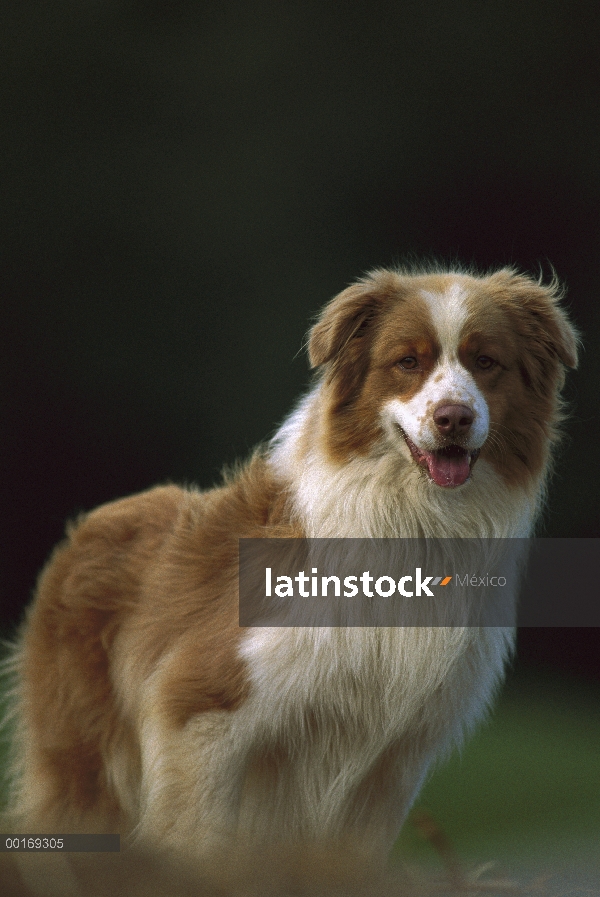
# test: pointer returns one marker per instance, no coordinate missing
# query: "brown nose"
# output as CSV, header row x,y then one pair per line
x,y
453,420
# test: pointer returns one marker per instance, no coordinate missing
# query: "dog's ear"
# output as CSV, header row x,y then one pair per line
x,y
550,339
347,317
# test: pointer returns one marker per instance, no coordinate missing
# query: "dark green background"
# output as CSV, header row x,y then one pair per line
x,y
184,184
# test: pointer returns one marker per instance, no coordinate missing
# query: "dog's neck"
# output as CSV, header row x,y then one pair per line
x,y
385,495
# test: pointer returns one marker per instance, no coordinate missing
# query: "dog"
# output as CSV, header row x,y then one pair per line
x,y
141,705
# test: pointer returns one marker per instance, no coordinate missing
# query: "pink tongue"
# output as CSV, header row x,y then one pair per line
x,y
448,469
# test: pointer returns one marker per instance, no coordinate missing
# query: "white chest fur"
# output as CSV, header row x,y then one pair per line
x,y
349,715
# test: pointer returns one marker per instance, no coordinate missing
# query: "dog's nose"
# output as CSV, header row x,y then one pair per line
x,y
453,420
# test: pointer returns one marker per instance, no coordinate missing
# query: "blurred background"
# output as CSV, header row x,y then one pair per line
x,y
185,184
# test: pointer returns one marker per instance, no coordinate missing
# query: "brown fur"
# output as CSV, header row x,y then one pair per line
x,y
364,372
138,578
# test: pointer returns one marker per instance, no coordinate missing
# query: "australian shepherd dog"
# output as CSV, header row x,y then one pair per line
x,y
142,706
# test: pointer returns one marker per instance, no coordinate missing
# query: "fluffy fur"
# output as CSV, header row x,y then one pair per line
x,y
141,705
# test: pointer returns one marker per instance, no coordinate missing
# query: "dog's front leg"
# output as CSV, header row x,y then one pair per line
x,y
191,783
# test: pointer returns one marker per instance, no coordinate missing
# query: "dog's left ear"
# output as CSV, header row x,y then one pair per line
x,y
549,336
347,317
552,328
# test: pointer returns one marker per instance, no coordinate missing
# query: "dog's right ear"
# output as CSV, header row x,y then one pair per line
x,y
345,320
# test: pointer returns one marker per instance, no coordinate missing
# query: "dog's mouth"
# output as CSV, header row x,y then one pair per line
x,y
449,466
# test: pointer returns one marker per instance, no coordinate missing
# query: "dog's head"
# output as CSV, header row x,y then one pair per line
x,y
448,367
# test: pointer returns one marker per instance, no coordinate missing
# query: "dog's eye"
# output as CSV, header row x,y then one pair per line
x,y
484,362
409,363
